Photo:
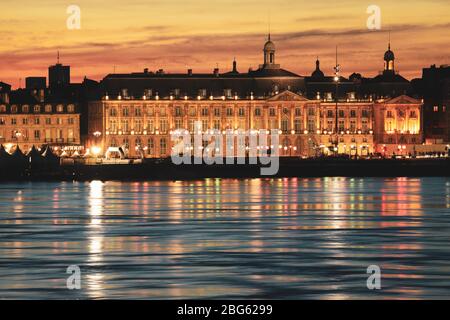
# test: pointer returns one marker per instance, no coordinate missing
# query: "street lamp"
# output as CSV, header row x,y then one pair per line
x,y
337,69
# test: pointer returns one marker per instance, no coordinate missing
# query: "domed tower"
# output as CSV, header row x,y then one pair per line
x,y
269,55
317,73
389,59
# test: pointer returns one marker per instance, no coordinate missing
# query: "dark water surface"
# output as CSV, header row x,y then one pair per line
x,y
282,238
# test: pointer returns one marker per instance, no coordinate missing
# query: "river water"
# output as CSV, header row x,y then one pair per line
x,y
248,239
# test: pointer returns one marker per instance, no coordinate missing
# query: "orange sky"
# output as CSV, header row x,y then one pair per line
x,y
179,34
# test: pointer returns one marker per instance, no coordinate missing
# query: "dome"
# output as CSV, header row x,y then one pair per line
x,y
389,55
269,46
317,74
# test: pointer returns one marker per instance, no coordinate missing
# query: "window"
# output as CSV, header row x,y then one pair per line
x,y
71,108
341,125
342,113
163,112
163,125
272,112
150,126
25,121
365,113
13,121
72,121
163,146
59,108
70,135
113,112
298,112
151,111
36,121
48,121
217,112
216,124
284,125
112,125
311,126
150,146
436,109
37,109
2,108
413,114
178,124
37,134
352,113
192,112
311,112
297,126
178,112
241,112
389,114
330,125
229,112
125,112
13,109
204,125
352,126
138,126
257,112
365,126
137,112
125,125
330,114
191,126
204,112
48,108
25,109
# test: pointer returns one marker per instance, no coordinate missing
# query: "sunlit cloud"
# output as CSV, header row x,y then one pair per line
x,y
176,35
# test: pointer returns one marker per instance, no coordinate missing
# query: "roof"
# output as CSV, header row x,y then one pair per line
x,y
260,82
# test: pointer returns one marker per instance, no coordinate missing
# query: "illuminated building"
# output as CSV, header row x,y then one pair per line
x,y
30,118
140,110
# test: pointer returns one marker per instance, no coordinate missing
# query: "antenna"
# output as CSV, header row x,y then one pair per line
x,y
57,57
389,45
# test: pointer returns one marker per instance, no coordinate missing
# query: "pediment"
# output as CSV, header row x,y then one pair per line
x,y
287,96
403,99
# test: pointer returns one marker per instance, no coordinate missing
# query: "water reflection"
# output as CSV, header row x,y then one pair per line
x,y
258,238
95,238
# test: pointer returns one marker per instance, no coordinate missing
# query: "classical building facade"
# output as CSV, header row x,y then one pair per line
x,y
139,111
30,118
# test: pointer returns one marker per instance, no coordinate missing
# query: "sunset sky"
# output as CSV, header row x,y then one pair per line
x,y
179,34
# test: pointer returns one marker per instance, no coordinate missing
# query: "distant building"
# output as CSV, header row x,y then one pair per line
x,y
32,83
38,118
58,75
435,89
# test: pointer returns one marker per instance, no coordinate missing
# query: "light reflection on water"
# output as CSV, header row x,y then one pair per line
x,y
280,238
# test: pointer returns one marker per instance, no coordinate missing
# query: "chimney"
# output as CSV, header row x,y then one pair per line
x,y
146,70
216,72
190,72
